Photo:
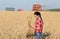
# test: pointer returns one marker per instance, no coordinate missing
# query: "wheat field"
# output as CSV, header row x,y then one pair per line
x,y
14,24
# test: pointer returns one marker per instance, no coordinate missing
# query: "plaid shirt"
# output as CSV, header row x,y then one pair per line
x,y
38,25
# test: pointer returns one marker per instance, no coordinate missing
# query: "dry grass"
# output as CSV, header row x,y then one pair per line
x,y
14,24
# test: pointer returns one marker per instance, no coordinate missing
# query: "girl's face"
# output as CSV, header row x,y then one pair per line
x,y
36,16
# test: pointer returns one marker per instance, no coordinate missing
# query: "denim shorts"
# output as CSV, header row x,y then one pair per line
x,y
38,35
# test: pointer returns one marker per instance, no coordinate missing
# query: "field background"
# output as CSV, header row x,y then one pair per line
x,y
14,24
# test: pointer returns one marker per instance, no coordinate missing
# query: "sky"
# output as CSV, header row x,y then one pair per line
x,y
27,4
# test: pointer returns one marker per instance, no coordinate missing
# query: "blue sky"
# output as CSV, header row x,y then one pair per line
x,y
27,4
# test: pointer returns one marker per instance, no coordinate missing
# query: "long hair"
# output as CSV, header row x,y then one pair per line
x,y
38,14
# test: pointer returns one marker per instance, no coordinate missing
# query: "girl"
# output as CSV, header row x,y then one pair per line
x,y
38,25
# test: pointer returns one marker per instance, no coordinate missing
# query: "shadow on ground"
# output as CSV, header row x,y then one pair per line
x,y
46,35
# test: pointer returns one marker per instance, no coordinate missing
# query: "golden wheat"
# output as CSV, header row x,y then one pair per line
x,y
14,24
